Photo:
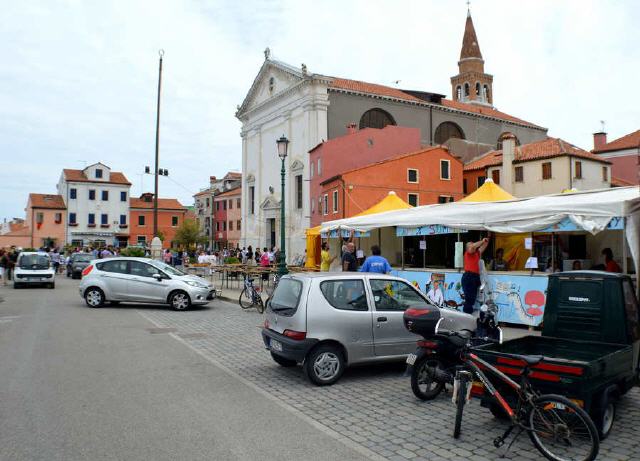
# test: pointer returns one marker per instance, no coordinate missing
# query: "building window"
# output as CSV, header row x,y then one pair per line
x,y
495,176
319,166
458,93
546,170
104,219
217,226
72,218
105,195
98,173
141,220
39,218
224,204
224,226
412,175
480,181
519,174
313,205
412,199
231,204
334,197
230,225
445,172
252,197
605,174
299,191
446,131
123,196
466,89
92,219
486,93
311,173
238,203
464,186
375,118
174,221
92,194
123,219
217,206
478,89
142,240
58,218
325,204
73,193
578,174
445,199
207,202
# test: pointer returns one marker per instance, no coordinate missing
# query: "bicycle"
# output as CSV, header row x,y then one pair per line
x,y
272,285
553,422
250,296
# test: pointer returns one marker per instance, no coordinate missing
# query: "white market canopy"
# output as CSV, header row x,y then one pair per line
x,y
590,211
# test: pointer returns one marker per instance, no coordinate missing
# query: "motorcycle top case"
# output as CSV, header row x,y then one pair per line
x,y
422,320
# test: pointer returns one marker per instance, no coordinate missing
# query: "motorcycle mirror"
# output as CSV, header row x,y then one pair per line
x,y
438,325
499,335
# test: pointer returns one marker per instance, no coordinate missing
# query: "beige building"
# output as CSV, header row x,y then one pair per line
x,y
539,168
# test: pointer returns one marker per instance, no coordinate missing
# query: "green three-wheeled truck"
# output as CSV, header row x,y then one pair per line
x,y
590,342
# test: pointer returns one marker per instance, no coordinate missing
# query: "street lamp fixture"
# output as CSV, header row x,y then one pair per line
x,y
283,145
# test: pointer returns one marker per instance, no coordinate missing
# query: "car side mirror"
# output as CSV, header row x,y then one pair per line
x,y
158,277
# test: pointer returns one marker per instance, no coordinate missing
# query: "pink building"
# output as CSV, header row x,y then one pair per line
x,y
46,220
355,149
624,155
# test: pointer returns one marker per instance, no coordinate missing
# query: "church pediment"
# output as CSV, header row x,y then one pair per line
x,y
297,165
270,203
273,78
251,178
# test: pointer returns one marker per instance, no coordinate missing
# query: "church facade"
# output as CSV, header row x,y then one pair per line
x,y
309,108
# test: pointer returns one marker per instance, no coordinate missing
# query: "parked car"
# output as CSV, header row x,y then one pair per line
x,y
34,268
328,321
142,280
77,263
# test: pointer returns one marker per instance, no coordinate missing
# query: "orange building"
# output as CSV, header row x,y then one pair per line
x,y
430,175
171,215
46,220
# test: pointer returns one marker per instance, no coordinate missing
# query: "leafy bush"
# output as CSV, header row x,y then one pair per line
x,y
231,260
136,252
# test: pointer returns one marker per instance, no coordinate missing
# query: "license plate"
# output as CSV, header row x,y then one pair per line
x,y
276,345
411,359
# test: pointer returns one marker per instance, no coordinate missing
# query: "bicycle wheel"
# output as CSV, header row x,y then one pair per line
x,y
246,299
561,430
259,306
461,400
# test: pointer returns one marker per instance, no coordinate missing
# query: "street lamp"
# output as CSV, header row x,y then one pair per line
x,y
283,144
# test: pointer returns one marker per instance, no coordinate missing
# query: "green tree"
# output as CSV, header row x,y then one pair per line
x,y
188,234
161,236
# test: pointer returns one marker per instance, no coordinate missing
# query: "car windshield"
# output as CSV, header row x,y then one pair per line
x,y
167,268
82,258
34,261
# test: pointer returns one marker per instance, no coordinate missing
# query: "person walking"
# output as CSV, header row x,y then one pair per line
x,y
471,277
250,260
376,263
4,262
325,257
349,261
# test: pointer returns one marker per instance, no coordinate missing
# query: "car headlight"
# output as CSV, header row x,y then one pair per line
x,y
195,284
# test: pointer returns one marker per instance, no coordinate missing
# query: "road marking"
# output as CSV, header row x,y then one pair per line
x,y
321,427
10,317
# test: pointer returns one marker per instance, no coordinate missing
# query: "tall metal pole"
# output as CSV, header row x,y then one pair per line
x,y
155,194
282,267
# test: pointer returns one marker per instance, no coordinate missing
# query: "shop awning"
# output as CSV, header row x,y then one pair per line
x,y
488,192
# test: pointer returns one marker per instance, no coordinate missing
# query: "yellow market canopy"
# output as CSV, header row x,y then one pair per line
x,y
390,203
488,192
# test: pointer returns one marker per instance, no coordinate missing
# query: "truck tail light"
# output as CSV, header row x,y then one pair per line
x,y
87,269
297,335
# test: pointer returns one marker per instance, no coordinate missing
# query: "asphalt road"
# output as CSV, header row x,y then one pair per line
x,y
97,384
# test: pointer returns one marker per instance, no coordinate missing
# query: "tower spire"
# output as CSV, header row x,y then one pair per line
x,y
470,47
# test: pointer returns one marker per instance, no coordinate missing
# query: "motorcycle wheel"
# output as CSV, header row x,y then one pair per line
x,y
422,384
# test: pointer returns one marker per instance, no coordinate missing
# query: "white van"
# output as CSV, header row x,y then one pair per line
x,y
34,268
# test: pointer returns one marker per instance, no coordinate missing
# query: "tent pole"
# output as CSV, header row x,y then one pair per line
x,y
625,269
402,251
553,252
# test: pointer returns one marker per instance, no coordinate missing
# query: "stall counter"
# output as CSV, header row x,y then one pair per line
x,y
519,295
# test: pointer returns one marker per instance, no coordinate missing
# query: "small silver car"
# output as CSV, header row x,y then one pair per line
x,y
327,321
142,280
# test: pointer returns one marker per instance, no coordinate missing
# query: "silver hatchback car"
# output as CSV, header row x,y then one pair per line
x,y
142,280
328,321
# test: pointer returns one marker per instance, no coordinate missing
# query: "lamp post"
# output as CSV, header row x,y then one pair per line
x,y
283,144
155,193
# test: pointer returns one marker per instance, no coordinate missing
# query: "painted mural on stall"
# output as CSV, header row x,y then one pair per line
x,y
520,298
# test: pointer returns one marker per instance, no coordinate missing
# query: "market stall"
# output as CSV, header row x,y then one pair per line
x,y
519,294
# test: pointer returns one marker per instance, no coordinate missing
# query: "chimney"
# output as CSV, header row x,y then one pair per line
x,y
352,128
599,140
508,156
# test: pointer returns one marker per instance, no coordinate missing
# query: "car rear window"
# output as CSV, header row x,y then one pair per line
x,y
287,295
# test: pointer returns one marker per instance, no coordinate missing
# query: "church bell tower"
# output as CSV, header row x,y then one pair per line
x,y
471,85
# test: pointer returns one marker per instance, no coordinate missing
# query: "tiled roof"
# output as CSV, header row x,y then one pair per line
x,y
50,201
229,193
163,203
629,141
470,46
382,90
547,148
19,231
233,174
619,182
115,177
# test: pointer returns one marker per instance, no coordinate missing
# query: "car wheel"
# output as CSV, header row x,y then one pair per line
x,y
605,414
287,363
324,365
16,285
75,276
52,285
94,297
180,301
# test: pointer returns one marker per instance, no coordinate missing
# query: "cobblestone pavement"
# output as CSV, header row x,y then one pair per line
x,y
372,406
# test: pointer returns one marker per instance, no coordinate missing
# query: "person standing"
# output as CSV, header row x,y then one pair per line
x,y
4,262
471,277
325,258
376,263
498,263
349,261
609,264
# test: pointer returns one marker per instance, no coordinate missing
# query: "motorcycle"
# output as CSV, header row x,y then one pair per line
x,y
433,364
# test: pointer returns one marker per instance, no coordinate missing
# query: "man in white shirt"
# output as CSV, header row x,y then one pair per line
x,y
435,294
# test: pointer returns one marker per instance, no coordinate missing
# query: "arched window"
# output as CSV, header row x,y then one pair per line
x,y
478,89
466,89
485,94
446,131
376,118
458,93
504,135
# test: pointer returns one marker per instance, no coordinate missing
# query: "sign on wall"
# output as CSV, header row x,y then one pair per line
x,y
431,229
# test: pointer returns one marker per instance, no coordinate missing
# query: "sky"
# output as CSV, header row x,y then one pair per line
x,y
78,79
